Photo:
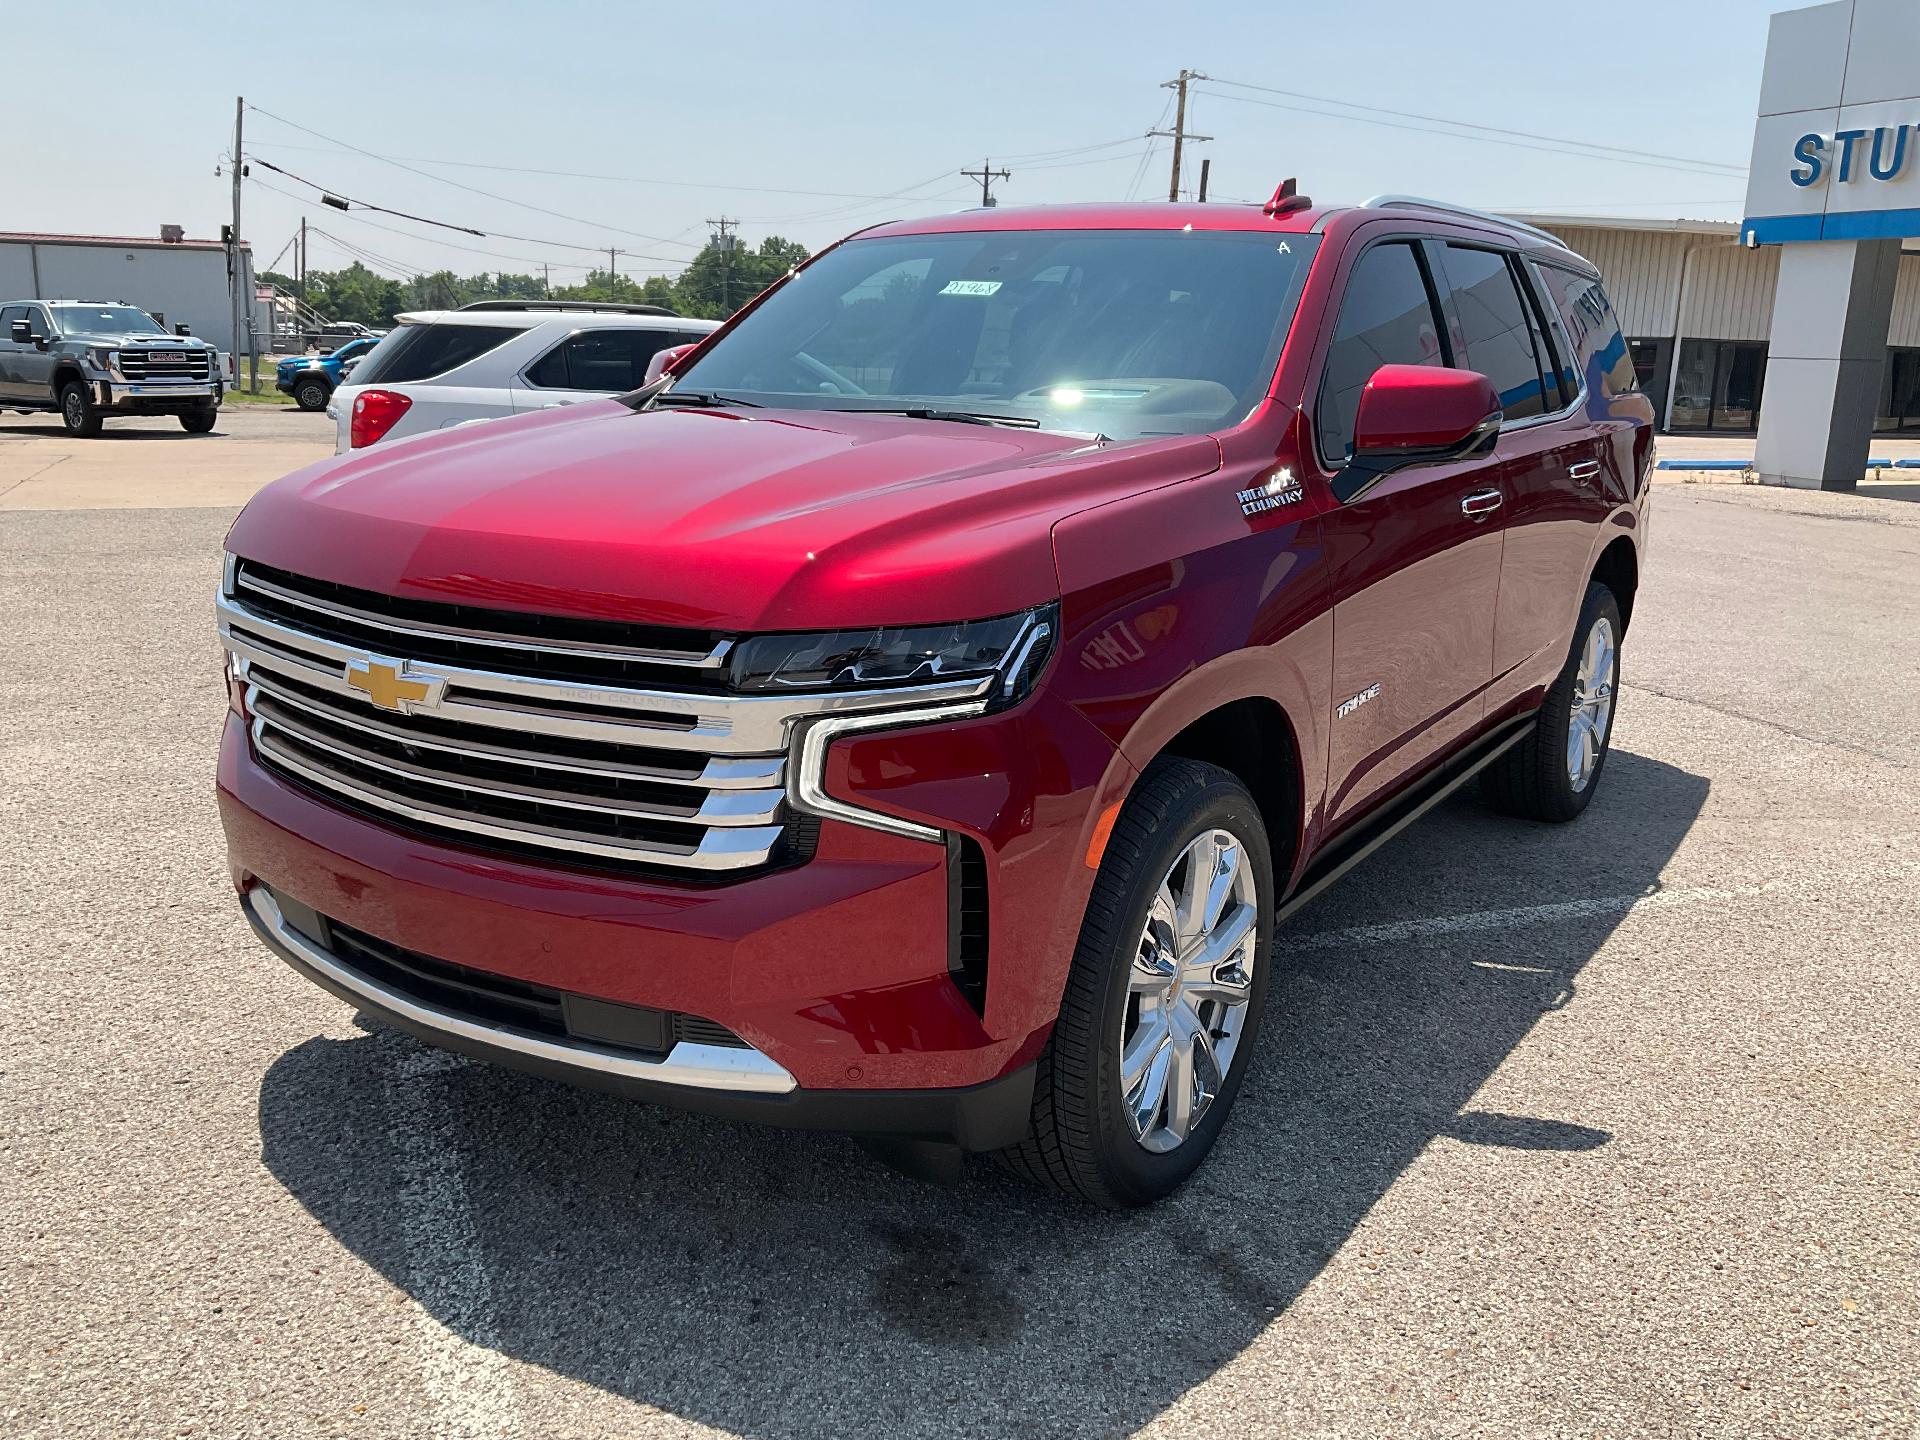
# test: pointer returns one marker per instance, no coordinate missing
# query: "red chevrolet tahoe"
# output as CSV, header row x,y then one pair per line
x,y
914,715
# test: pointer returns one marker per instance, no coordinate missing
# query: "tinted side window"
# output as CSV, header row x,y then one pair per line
x,y
1386,318
420,352
1499,336
1592,330
9,314
609,360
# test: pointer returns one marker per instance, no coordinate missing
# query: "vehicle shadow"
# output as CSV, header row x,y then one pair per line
x,y
112,431
785,1285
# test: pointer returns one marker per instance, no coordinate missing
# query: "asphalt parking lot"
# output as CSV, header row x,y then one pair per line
x,y
1604,1130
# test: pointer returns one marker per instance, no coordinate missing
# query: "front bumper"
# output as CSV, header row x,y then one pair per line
x,y
836,972
737,1084
155,398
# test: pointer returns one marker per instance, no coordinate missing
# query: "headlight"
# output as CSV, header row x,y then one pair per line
x,y
101,358
1014,647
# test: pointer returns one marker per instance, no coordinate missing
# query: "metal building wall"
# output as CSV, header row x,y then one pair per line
x,y
185,283
1906,304
1729,292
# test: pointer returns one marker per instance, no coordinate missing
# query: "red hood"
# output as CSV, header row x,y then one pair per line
x,y
731,520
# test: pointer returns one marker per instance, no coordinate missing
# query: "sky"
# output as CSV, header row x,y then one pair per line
x,y
809,121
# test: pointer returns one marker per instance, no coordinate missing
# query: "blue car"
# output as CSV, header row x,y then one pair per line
x,y
311,379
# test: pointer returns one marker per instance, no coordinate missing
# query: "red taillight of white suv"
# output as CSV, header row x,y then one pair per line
x,y
375,412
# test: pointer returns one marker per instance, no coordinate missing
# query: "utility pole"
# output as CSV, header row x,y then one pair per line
x,y
725,241
613,288
546,282
986,175
1206,168
236,274
301,284
1179,132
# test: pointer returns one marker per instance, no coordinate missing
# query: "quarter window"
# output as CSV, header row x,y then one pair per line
x,y
420,352
613,361
1498,331
1599,352
1387,317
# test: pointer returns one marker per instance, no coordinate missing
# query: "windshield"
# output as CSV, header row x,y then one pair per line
x,y
1126,333
104,320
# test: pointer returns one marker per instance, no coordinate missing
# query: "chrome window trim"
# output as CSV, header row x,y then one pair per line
x,y
698,1067
808,772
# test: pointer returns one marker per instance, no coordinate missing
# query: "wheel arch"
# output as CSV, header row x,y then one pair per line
x,y
65,373
1618,568
1254,739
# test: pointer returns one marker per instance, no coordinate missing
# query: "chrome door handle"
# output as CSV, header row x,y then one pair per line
x,y
1480,504
1585,470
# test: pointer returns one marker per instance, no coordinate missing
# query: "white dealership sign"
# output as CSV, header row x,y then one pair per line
x,y
1836,149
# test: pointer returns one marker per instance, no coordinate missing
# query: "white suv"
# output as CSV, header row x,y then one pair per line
x,y
500,357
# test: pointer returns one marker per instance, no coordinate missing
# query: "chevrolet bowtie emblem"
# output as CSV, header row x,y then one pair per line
x,y
387,685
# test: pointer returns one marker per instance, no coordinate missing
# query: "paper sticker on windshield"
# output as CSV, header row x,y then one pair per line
x,y
970,287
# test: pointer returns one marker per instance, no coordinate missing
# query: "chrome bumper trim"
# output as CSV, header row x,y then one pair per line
x,y
698,1067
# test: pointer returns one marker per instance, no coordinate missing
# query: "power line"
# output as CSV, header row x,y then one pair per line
x,y
471,189
1513,138
358,218
345,202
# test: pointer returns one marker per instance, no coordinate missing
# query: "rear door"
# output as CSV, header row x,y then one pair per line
x,y
1554,472
1415,560
9,352
593,364
31,367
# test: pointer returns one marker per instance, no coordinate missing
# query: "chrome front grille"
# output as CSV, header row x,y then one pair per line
x,y
142,365
544,736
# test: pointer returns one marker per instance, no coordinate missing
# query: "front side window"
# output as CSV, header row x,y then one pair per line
x,y
613,361
104,320
1499,335
1387,317
420,352
1125,333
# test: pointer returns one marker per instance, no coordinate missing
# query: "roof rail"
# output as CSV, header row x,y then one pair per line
x,y
1384,202
604,305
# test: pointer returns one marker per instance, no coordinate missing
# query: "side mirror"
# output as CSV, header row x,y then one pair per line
x,y
183,329
666,362
1418,415
20,333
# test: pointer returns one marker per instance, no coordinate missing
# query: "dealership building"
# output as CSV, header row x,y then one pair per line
x,y
1697,307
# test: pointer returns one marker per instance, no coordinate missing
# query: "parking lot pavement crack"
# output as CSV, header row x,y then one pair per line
x,y
34,475
1898,762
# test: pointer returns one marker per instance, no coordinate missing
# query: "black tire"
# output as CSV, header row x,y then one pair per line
x,y
1081,1142
77,410
1532,780
199,422
312,394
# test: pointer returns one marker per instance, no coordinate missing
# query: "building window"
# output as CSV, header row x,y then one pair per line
x,y
1717,385
1900,392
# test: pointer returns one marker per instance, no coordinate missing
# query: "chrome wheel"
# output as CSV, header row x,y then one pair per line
x,y
76,410
1187,991
1592,706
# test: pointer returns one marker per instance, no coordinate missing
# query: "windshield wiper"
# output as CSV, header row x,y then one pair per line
x,y
701,397
930,412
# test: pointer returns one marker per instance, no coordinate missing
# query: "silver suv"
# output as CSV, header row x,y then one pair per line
x,y
439,368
